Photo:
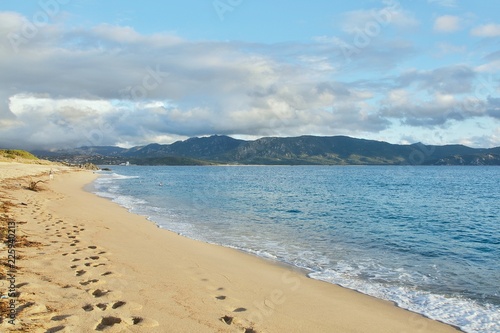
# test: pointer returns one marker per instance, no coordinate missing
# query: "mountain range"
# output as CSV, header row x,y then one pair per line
x,y
302,150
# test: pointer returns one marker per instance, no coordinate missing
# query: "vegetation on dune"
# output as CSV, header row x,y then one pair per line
x,y
16,153
20,156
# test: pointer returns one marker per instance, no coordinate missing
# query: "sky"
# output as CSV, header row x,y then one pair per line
x,y
92,73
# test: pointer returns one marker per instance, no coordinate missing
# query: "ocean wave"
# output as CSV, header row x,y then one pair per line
x,y
114,176
464,313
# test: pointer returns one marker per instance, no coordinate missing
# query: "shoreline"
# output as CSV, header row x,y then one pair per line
x,y
97,254
287,266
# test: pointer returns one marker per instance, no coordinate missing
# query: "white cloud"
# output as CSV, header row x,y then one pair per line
x,y
442,96
447,23
458,79
444,3
404,19
436,109
109,84
487,30
11,21
318,63
373,21
490,67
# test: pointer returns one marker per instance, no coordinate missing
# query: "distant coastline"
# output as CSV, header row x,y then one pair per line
x,y
302,150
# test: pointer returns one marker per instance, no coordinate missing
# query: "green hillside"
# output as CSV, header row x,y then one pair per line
x,y
302,150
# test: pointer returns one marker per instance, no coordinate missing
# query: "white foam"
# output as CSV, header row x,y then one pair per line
x,y
114,176
105,186
464,313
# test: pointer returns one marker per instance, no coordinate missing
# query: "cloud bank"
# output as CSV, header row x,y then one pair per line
x,y
110,85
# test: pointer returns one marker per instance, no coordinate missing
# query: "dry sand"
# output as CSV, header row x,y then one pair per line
x,y
97,267
12,170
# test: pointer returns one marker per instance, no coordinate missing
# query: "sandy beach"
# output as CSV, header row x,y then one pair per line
x,y
85,264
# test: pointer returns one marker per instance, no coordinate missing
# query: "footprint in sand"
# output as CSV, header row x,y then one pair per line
x,y
228,320
88,264
239,310
107,322
102,306
25,306
100,293
88,308
119,316
80,272
110,321
118,304
86,283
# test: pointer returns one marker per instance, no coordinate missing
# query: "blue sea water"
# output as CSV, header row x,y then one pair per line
x,y
427,238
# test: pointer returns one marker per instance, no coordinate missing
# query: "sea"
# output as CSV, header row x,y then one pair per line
x,y
424,237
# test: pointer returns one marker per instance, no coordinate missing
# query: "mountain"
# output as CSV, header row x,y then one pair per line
x,y
317,150
303,150
198,148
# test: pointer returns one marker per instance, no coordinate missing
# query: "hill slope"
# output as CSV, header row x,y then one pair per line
x,y
333,150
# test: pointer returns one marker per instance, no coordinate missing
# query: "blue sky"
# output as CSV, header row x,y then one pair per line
x,y
129,73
